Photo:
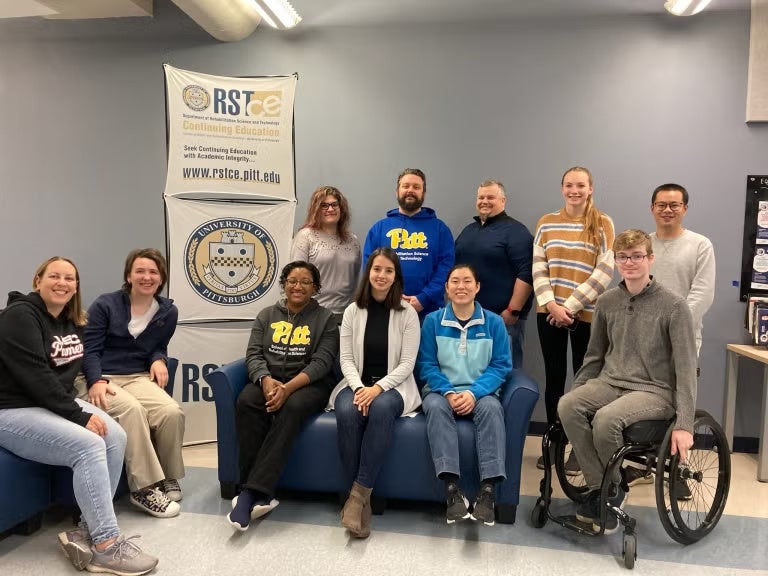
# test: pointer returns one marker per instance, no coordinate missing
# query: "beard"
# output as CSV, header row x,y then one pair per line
x,y
410,202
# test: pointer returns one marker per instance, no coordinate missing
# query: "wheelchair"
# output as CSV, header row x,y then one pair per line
x,y
706,474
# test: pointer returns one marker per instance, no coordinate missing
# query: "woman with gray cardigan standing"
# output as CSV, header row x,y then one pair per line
x,y
380,336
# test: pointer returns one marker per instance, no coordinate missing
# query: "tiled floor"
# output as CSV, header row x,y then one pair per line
x,y
303,537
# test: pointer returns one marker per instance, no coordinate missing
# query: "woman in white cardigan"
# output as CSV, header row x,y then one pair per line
x,y
380,336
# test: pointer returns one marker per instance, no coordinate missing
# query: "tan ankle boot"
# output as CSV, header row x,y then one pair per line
x,y
356,514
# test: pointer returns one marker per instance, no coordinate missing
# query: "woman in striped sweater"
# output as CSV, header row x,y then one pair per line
x,y
572,266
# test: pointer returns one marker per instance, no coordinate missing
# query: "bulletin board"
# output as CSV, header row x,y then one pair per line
x,y
754,255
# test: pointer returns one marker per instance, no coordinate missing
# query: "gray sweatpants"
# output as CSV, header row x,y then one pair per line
x,y
610,409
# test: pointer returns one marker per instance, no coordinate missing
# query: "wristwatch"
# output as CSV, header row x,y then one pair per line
x,y
514,313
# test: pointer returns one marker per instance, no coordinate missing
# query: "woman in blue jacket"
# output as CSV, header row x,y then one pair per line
x,y
464,359
125,368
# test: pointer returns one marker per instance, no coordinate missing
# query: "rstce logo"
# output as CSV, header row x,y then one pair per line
x,y
255,103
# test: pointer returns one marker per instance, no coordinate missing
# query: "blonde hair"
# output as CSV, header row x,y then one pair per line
x,y
592,216
633,238
74,307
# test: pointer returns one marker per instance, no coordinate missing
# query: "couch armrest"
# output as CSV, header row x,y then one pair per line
x,y
227,382
519,395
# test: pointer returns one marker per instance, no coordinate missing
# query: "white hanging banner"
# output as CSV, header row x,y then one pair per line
x,y
200,350
229,137
225,258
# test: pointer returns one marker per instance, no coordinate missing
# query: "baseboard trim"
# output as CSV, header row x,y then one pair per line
x,y
744,444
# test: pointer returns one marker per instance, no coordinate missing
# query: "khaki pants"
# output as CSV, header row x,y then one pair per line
x,y
154,424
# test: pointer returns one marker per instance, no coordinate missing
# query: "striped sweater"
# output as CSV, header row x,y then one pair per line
x,y
566,267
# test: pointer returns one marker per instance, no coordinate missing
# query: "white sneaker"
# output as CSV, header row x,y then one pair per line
x,y
153,501
259,510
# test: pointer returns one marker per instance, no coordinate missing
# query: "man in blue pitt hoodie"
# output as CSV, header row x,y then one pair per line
x,y
423,243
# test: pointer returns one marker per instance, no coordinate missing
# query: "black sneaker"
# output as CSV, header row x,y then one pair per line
x,y
572,467
457,505
588,511
617,498
153,501
540,463
636,476
682,492
485,505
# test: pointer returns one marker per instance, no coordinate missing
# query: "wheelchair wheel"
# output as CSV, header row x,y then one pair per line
x,y
573,484
630,550
706,475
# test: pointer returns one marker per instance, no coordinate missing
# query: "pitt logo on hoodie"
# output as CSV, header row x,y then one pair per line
x,y
282,332
399,238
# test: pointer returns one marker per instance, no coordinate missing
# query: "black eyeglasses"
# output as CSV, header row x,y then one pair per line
x,y
674,206
636,258
328,205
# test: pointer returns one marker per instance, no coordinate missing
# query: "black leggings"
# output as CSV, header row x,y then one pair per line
x,y
554,348
266,439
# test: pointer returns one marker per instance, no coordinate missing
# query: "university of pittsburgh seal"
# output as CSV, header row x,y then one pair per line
x,y
230,261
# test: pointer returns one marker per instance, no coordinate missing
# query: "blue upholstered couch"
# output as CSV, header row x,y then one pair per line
x,y
408,474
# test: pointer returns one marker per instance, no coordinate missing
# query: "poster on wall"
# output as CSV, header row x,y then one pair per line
x,y
754,255
225,257
200,350
229,137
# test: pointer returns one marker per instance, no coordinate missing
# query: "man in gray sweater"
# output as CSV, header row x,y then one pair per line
x,y
640,365
685,260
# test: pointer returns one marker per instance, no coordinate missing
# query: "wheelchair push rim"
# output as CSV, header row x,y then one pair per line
x,y
706,473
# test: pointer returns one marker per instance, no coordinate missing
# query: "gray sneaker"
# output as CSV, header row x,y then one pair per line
x,y
123,558
171,489
76,545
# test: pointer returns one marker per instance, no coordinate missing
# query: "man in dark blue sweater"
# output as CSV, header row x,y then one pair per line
x,y
500,249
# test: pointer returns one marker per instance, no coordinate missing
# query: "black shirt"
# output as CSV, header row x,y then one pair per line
x,y
375,343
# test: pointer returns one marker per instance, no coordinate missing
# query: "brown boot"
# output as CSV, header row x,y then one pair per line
x,y
356,514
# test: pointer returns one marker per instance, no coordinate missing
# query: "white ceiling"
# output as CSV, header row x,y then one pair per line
x,y
357,12
320,13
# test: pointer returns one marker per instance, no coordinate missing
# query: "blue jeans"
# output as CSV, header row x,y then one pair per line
x,y
39,435
364,441
516,333
490,435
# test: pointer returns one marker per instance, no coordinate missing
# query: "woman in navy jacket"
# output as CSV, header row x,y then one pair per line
x,y
126,347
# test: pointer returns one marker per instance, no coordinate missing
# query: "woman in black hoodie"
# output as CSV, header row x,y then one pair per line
x,y
41,420
289,358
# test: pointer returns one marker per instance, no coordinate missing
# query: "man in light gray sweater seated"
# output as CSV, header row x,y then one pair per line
x,y
640,365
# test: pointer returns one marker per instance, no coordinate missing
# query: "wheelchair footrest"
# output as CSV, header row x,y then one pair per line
x,y
572,523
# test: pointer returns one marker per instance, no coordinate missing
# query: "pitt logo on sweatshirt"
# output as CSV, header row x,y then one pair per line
x,y
399,238
282,333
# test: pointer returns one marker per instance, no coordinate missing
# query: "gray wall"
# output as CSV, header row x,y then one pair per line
x,y
640,100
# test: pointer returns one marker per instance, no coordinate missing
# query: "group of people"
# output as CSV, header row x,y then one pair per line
x,y
85,391
355,331
451,315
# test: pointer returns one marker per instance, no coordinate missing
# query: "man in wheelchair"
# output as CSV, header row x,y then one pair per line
x,y
640,365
